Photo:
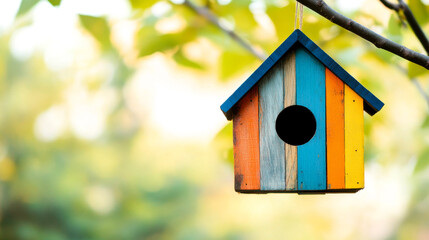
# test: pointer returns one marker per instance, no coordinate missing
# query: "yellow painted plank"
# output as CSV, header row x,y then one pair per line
x,y
354,162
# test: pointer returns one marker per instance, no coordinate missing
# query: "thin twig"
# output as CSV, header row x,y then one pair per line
x,y
203,11
415,25
320,7
396,8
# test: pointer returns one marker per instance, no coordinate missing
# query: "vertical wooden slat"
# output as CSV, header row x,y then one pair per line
x,y
334,131
272,150
310,90
354,139
290,99
246,142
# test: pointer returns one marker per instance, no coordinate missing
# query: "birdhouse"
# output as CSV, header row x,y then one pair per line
x,y
298,123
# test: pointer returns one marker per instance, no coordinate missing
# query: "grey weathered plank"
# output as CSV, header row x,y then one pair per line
x,y
272,149
290,99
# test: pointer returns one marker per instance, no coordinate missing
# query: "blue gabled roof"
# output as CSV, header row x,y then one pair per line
x,y
371,103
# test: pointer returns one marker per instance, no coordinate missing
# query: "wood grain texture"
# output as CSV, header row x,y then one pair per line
x,y
334,131
246,143
371,103
310,90
290,99
354,139
272,150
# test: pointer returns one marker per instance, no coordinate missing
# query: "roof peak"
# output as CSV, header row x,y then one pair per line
x,y
371,103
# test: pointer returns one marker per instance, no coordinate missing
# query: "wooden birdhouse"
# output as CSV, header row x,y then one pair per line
x,y
298,123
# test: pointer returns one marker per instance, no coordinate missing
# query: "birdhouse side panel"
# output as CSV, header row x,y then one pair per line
x,y
354,140
246,143
335,168
291,156
272,149
310,87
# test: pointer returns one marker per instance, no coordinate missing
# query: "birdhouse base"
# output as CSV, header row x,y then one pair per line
x,y
300,192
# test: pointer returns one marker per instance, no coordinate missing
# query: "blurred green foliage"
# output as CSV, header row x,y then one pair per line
x,y
98,28
130,182
55,2
26,5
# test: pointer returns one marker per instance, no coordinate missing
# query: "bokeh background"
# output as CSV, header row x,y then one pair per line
x,y
110,126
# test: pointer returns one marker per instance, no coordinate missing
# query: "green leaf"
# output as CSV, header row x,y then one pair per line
x,y
150,41
234,62
239,13
244,20
277,15
422,162
142,4
415,70
183,60
425,123
26,5
419,10
99,29
223,143
55,2
160,43
394,29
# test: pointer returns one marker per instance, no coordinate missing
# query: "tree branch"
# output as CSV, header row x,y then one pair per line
x,y
204,12
320,7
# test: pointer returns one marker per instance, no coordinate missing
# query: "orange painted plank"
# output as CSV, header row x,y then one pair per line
x,y
246,142
335,156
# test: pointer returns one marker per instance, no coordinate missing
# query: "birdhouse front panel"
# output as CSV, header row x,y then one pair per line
x,y
333,156
298,124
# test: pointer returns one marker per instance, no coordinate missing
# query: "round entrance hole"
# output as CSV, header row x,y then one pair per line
x,y
296,125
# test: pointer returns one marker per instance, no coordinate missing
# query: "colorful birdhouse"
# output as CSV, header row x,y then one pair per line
x,y
298,123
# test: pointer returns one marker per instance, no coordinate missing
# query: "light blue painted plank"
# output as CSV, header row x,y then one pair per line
x,y
310,87
272,148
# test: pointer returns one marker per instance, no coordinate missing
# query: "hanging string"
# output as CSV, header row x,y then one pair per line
x,y
298,20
